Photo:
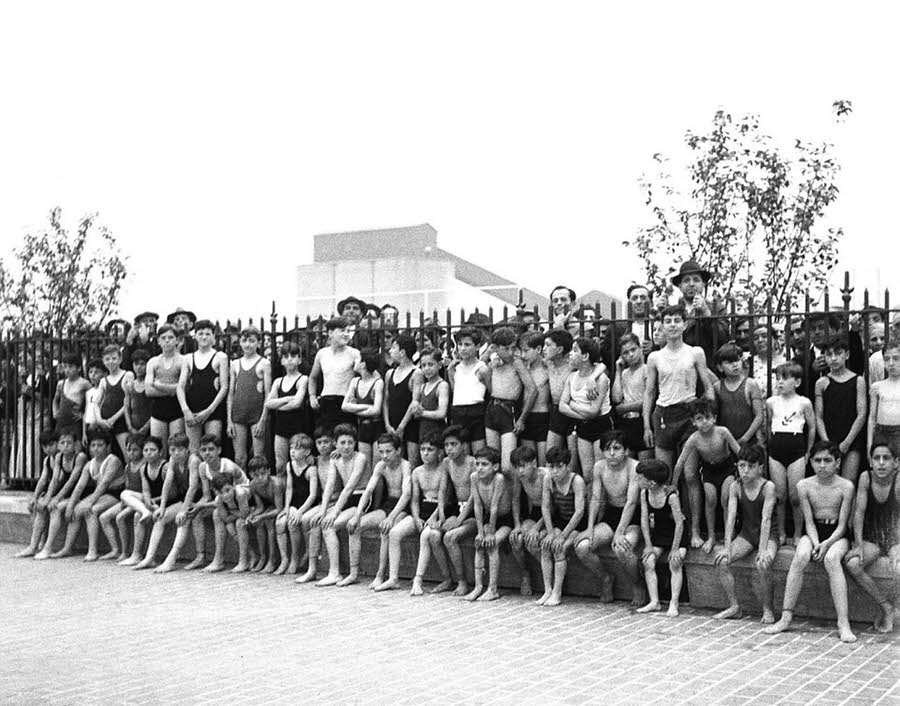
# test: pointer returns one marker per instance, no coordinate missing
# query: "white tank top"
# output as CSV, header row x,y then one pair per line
x,y
467,386
787,415
578,392
677,376
888,402
634,384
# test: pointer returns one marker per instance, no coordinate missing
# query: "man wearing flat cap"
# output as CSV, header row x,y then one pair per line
x,y
702,330
141,335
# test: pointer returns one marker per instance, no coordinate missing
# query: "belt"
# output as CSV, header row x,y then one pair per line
x,y
631,415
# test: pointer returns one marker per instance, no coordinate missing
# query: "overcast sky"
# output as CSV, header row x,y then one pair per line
x,y
215,139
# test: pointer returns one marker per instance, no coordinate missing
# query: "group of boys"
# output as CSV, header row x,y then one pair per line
x,y
544,453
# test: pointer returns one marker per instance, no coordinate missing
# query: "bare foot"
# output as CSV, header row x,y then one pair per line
x,y
270,568
282,567
293,568
442,587
733,611
62,554
121,557
307,577
554,600
91,557
416,589
388,585
846,634
490,595
109,556
696,540
199,561
147,563
256,567
886,624
130,561
164,568
525,587
348,581
768,617
782,539
543,599
214,567
330,580
376,582
606,589
673,610
25,553
462,588
41,555
474,593
638,596
651,607
778,627
240,568
709,544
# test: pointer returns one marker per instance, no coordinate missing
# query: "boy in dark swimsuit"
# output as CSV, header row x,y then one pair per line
x,y
311,521
662,526
402,386
713,449
528,520
268,501
740,406
111,396
826,500
562,506
137,404
427,480
752,500
493,518
614,498
203,386
232,508
393,473
67,470
456,493
68,401
250,384
286,402
876,527
43,492
301,491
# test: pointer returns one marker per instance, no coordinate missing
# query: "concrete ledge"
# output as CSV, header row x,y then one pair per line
x,y
702,579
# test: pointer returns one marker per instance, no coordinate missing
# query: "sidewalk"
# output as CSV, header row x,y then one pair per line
x,y
76,633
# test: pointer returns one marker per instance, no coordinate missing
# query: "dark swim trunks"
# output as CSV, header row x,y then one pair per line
x,y
500,416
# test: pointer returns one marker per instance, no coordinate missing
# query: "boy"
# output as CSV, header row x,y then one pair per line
x,y
841,407
211,467
175,491
509,382
673,374
232,508
96,372
364,400
788,445
537,426
118,515
348,471
562,507
876,359
457,487
433,402
468,377
137,404
287,403
426,481
403,385
614,498
301,491
161,385
203,386
335,365
99,485
47,485
528,519
251,382
68,401
884,410
876,527
268,501
311,521
590,413
67,469
111,396
713,449
752,500
662,526
826,500
628,393
393,473
739,401
493,518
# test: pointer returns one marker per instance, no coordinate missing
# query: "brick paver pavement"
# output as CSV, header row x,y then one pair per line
x,y
76,633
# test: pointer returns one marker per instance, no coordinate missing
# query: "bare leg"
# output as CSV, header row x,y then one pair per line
x,y
507,446
695,498
547,573
218,562
833,561
107,521
282,453
559,576
313,543
57,516
850,465
795,473
38,525
652,582
478,588
281,538
585,548
241,442
452,538
92,520
856,569
243,538
778,475
401,530
792,586
493,592
677,579
711,498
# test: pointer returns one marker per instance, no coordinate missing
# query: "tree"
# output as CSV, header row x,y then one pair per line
x,y
753,215
59,279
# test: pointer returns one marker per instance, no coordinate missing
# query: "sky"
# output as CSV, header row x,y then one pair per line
x,y
215,139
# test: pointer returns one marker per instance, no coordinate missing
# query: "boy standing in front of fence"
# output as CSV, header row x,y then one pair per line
x,y
251,382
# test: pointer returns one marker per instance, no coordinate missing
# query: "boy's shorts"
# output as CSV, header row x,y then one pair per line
x,y
887,432
561,424
330,413
500,416
165,409
592,429
369,430
633,426
786,448
536,427
672,426
471,418
716,473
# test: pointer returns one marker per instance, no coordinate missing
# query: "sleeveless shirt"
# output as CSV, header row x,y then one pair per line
x,y
735,412
677,376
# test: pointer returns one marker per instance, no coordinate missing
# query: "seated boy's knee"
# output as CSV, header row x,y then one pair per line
x,y
649,561
853,564
583,548
833,561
